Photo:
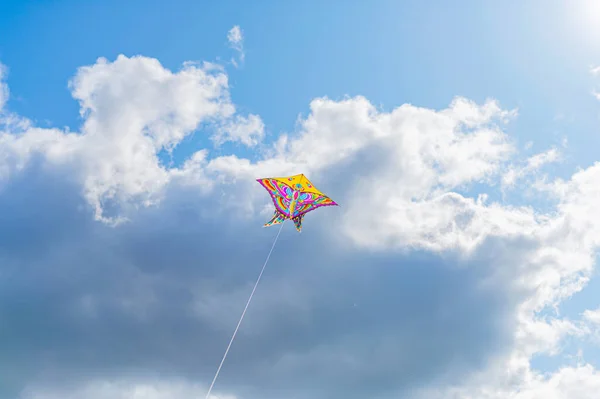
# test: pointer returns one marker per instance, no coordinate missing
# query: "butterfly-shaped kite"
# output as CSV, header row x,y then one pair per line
x,y
293,197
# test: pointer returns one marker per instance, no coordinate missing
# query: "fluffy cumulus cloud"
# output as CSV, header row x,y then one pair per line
x,y
133,109
529,167
419,285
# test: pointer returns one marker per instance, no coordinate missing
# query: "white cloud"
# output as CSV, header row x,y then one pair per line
x,y
133,108
121,389
592,316
3,86
247,130
595,71
531,165
236,42
560,266
591,321
406,162
579,382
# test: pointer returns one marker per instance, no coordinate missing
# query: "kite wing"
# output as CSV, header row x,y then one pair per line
x,y
277,218
308,202
298,222
281,194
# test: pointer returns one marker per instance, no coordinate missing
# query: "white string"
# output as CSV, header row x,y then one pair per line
x,y
244,312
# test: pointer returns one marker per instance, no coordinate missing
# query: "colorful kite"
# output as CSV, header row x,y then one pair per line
x,y
293,197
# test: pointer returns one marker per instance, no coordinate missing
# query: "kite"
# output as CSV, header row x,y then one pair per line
x,y
293,197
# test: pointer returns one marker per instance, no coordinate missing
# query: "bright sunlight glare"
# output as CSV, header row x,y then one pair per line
x,y
587,18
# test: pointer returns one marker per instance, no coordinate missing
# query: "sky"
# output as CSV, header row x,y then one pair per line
x,y
459,138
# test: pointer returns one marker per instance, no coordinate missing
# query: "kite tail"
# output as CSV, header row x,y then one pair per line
x,y
298,222
244,312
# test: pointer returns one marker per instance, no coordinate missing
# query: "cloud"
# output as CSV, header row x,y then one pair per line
x,y
530,166
162,293
595,71
592,316
404,163
581,382
236,42
133,109
3,87
247,130
121,389
417,280
569,382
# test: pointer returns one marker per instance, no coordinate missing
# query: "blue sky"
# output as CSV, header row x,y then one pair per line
x,y
460,139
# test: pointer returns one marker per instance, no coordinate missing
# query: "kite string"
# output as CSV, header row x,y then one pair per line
x,y
244,312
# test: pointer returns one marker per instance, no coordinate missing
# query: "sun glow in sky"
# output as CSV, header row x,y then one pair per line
x,y
587,17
